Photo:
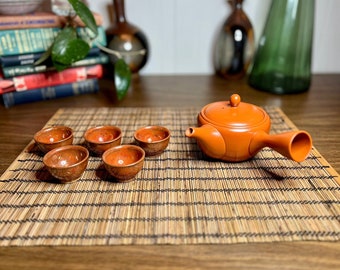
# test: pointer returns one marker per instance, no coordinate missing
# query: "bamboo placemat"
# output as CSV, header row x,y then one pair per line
x,y
178,198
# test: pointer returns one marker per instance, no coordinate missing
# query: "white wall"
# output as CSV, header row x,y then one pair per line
x,y
181,32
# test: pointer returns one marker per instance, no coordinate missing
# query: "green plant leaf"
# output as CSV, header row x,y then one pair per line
x,y
68,48
70,51
63,37
73,51
44,57
85,15
60,66
66,33
122,78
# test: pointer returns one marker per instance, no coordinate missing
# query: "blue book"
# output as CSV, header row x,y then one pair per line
x,y
15,71
46,93
31,58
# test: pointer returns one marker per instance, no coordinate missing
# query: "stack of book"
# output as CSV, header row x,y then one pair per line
x,y
23,39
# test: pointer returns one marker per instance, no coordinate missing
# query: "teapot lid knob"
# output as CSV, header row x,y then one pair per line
x,y
235,99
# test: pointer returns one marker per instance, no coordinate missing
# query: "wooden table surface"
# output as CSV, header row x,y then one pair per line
x,y
317,111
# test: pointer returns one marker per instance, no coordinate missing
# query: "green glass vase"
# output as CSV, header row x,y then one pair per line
x,y
282,63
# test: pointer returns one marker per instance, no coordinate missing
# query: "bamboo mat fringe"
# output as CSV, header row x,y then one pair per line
x,y
179,197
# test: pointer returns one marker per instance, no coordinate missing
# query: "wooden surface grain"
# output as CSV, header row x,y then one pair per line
x,y
317,111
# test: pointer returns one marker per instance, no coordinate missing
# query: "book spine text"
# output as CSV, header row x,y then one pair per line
x,y
50,78
35,40
13,71
53,92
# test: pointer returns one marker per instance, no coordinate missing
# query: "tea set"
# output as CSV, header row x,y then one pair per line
x,y
67,162
231,131
236,131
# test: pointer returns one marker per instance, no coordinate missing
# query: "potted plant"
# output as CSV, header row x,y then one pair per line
x,y
69,47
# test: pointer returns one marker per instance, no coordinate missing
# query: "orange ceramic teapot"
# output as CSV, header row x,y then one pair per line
x,y
235,131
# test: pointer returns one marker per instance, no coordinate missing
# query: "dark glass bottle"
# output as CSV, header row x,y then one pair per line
x,y
127,40
282,64
234,47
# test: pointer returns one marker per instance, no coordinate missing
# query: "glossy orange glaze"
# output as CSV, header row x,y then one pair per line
x,y
152,134
235,131
124,162
153,139
99,139
53,137
67,163
103,134
123,156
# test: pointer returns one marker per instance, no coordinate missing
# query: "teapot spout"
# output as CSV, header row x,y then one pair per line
x,y
294,145
209,139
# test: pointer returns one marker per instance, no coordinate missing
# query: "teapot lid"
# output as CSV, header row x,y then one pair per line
x,y
234,113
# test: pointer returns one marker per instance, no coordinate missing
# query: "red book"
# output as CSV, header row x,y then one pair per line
x,y
40,20
50,78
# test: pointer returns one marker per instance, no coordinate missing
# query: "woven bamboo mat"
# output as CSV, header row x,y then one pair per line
x,y
178,198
